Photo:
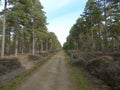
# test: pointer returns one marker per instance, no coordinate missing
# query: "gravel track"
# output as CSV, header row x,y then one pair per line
x,y
53,75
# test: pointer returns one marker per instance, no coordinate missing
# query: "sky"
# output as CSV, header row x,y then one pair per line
x,y
61,15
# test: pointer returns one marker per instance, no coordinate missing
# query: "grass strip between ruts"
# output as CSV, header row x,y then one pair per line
x,y
79,74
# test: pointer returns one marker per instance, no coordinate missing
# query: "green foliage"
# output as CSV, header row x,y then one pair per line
x,y
80,75
22,19
97,28
54,41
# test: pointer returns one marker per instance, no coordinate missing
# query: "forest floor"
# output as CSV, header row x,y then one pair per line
x,y
57,73
53,75
11,74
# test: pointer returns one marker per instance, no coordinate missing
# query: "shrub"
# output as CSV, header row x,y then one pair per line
x,y
34,57
96,66
2,69
103,66
9,63
112,75
108,71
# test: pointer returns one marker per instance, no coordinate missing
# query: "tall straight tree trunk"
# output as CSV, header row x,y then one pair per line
x,y
9,35
16,38
33,48
92,35
105,32
3,33
99,34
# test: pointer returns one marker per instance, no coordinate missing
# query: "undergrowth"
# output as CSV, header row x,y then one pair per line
x,y
79,74
11,85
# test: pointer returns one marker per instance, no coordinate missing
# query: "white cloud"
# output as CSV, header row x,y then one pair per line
x,y
61,25
61,32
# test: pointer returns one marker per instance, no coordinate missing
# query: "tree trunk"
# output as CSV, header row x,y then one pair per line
x,y
105,32
3,33
16,38
33,48
9,43
99,41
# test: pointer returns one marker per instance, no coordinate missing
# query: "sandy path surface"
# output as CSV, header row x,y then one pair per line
x,y
54,75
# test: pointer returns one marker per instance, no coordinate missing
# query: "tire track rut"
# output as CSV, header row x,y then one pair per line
x,y
54,75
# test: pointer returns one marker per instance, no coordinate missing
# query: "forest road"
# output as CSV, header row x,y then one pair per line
x,y
53,75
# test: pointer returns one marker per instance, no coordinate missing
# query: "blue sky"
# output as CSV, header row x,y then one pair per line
x,y
61,15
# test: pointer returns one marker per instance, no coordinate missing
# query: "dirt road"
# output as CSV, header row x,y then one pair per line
x,y
54,75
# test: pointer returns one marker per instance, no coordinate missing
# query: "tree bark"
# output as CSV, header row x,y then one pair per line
x,y
33,48
9,42
16,38
99,34
105,32
3,33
